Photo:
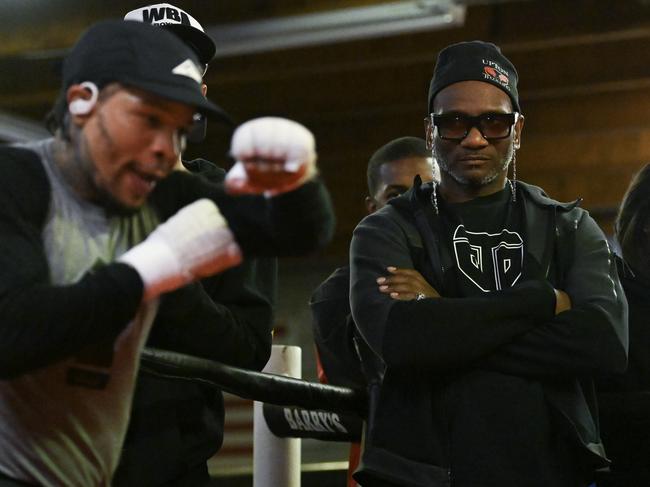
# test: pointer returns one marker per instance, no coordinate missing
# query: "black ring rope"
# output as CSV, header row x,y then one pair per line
x,y
258,386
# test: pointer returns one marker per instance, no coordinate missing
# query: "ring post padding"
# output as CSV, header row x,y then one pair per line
x,y
319,424
276,461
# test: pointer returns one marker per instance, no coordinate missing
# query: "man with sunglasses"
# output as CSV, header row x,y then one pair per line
x,y
489,382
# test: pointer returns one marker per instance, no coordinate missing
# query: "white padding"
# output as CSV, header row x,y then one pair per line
x,y
194,243
274,138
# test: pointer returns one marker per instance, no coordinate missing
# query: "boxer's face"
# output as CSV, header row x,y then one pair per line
x,y
133,140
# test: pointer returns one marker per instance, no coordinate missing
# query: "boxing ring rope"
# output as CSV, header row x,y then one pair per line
x,y
292,408
258,386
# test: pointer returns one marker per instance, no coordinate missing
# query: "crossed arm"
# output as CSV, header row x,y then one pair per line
x,y
515,331
408,284
227,318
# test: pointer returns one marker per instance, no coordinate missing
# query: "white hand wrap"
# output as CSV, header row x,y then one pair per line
x,y
193,243
274,145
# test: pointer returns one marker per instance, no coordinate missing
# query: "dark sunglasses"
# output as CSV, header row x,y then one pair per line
x,y
453,126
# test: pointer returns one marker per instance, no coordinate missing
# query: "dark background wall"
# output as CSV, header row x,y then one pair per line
x,y
584,67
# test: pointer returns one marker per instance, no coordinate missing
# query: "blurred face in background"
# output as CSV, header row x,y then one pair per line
x,y
396,177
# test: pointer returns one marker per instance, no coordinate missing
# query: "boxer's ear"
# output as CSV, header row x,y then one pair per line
x,y
82,99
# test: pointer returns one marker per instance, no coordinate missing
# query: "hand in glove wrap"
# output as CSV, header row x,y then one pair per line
x,y
194,243
273,155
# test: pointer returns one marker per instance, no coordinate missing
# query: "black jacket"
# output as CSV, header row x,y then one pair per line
x,y
334,330
624,399
414,347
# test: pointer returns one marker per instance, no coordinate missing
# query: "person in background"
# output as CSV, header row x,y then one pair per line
x,y
176,426
624,399
391,172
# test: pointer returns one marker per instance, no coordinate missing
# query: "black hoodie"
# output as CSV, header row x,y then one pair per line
x,y
417,348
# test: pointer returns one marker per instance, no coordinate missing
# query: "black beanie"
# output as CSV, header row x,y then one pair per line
x,y
474,61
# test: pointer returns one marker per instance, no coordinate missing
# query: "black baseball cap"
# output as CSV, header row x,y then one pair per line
x,y
180,23
474,61
130,53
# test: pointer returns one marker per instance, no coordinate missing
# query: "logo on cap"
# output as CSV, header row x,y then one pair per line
x,y
190,69
495,73
160,14
490,71
163,14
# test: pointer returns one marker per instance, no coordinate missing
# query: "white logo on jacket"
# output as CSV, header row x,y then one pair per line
x,y
491,261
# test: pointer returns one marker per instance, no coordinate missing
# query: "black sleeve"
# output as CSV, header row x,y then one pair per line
x,y
227,318
440,333
592,336
41,323
293,223
333,329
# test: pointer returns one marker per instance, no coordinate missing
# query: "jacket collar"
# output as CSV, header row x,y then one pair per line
x,y
540,198
541,226
421,193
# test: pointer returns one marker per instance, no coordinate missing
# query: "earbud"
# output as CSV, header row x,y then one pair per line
x,y
81,106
